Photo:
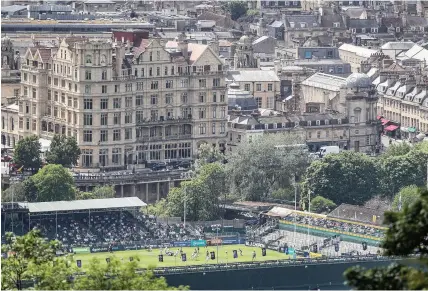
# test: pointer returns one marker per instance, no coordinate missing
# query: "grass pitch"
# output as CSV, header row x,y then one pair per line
x,y
151,258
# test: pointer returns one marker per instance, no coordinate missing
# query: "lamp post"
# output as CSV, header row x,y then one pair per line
x,y
217,228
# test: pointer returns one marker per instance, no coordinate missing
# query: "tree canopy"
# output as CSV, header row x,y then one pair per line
x,y
320,204
121,276
347,177
257,169
54,183
398,171
31,257
99,192
408,195
201,193
63,151
406,235
236,8
27,153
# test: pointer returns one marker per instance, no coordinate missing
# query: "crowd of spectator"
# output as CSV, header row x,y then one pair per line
x,y
336,225
115,227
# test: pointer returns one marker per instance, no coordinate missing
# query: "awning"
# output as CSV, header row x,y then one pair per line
x,y
384,121
391,127
411,129
379,117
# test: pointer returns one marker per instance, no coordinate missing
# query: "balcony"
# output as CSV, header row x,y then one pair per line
x,y
32,68
124,78
162,120
147,138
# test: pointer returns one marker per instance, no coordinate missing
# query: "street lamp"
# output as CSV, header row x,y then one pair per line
x,y
217,228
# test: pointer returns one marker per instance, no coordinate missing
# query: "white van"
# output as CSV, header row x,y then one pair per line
x,y
325,150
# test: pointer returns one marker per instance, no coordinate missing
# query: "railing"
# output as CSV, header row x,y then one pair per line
x,y
130,177
164,121
166,137
124,78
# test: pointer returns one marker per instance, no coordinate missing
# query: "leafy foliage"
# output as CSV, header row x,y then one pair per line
x,y
27,153
21,191
159,209
407,234
257,169
236,8
347,177
397,149
54,183
16,192
32,257
408,195
118,275
401,171
201,194
320,204
63,151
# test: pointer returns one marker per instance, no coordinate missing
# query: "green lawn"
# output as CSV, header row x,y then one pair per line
x,y
151,258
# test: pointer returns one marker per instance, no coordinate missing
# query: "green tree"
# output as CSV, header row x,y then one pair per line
x,y
99,192
31,257
159,209
320,205
118,275
257,169
347,177
54,183
406,235
408,195
236,8
397,149
27,153
63,151
15,192
201,194
401,171
208,154
21,191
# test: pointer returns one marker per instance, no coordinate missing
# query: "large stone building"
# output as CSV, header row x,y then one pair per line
x,y
336,111
403,101
10,78
128,101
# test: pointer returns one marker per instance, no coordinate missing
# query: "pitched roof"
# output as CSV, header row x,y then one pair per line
x,y
310,20
417,21
325,81
360,51
45,54
329,17
220,20
392,21
362,23
354,12
196,50
276,24
223,42
398,45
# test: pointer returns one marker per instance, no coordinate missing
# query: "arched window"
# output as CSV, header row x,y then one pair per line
x,y
88,59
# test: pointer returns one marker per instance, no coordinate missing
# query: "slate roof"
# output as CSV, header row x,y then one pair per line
x,y
354,12
392,21
13,8
253,76
310,20
329,17
417,21
276,24
53,8
220,20
362,23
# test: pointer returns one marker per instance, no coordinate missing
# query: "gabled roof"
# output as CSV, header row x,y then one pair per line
x,y
276,24
355,12
196,51
45,54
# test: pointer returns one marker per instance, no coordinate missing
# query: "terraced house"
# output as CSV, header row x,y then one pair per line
x,y
127,101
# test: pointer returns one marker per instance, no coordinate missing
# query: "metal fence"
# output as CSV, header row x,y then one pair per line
x,y
235,223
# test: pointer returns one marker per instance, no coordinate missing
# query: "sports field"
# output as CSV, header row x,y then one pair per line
x,y
148,258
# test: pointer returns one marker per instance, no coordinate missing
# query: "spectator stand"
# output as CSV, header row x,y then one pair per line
x,y
13,218
70,221
357,213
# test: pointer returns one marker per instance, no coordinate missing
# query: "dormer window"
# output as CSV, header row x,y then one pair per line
x,y
363,30
397,29
336,24
339,121
296,124
303,24
292,24
318,122
374,30
314,24
327,122
309,123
